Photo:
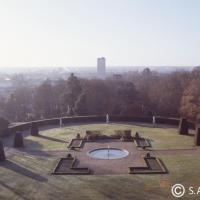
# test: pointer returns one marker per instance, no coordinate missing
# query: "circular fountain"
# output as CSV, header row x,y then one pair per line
x,y
108,153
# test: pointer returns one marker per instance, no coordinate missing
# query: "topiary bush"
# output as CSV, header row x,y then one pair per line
x,y
34,129
3,125
2,153
197,136
18,140
183,127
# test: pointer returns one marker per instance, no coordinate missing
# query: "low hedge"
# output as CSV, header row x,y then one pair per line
x,y
191,125
45,122
93,118
116,118
53,121
20,127
84,119
169,121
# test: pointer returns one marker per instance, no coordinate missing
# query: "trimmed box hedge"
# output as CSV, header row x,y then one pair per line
x,y
84,119
2,153
46,122
95,119
117,118
197,136
183,127
3,126
18,140
169,121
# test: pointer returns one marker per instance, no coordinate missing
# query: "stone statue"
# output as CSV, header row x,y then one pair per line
x,y
60,122
107,118
154,120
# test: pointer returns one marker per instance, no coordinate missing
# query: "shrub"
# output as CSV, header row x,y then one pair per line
x,y
84,119
34,129
92,135
115,118
2,153
170,121
197,137
18,140
183,126
44,122
3,125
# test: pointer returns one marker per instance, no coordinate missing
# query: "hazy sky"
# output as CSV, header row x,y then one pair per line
x,y
76,32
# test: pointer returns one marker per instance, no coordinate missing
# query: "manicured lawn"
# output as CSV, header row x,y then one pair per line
x,y
25,176
161,138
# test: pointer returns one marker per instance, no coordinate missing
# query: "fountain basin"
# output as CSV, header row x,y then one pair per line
x,y
108,153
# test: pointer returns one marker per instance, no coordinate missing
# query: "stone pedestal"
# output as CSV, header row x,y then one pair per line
x,y
18,140
34,129
2,153
197,136
183,127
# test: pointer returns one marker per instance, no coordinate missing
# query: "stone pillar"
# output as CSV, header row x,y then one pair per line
x,y
2,153
183,127
197,136
18,140
34,129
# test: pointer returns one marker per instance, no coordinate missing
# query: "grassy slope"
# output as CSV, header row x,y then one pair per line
x,y
28,177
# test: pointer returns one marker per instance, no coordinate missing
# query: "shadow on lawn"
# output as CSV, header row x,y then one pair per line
x,y
22,170
52,139
145,125
33,148
15,191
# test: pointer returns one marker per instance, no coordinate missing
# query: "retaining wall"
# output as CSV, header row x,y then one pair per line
x,y
91,119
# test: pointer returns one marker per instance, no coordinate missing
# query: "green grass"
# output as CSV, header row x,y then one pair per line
x,y
161,138
27,177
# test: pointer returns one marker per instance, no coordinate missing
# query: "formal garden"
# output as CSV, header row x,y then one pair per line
x,y
95,158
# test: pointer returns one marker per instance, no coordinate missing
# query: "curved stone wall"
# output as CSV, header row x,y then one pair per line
x,y
92,119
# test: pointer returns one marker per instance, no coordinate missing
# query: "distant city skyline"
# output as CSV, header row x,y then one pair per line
x,y
75,33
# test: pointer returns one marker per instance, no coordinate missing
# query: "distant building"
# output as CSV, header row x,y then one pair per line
x,y
117,76
101,67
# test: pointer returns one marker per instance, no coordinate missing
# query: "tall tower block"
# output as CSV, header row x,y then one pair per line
x,y
101,67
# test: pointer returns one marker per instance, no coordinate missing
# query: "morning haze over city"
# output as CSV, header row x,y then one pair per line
x,y
74,33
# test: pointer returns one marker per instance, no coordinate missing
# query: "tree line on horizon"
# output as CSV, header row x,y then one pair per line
x,y
145,93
